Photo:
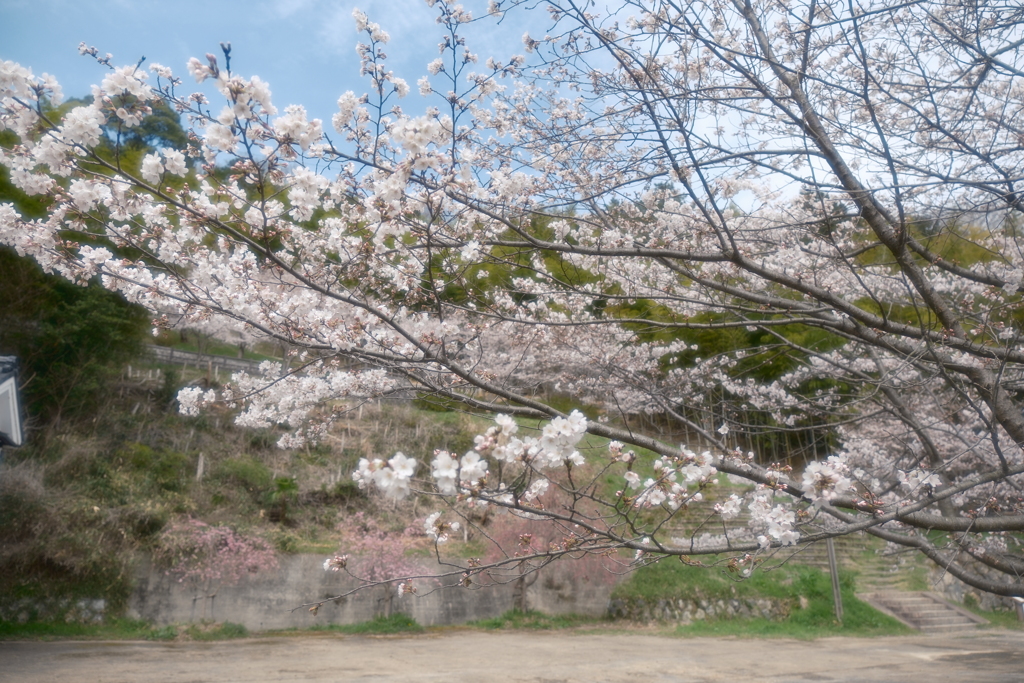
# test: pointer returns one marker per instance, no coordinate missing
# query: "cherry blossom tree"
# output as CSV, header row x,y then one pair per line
x,y
379,558
510,536
738,218
206,557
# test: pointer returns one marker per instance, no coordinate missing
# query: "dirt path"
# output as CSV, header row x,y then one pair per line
x,y
549,657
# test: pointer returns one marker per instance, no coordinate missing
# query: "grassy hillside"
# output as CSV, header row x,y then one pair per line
x,y
78,505
804,595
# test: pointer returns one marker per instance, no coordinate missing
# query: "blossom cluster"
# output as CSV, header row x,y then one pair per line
x,y
915,480
778,522
392,478
672,479
468,474
824,480
439,530
194,552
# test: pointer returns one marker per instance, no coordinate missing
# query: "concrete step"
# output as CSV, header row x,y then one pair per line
x,y
936,615
958,628
923,611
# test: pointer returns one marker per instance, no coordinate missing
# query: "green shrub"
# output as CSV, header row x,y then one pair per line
x,y
167,394
346,491
263,439
162,468
247,472
283,491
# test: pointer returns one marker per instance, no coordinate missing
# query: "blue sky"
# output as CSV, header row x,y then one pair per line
x,y
305,49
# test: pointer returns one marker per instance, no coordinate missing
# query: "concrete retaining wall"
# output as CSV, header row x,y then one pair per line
x,y
267,601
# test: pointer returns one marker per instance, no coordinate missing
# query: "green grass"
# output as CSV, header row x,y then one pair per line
x,y
1002,619
225,631
119,629
814,624
792,585
131,629
817,620
393,625
670,578
213,347
113,629
533,620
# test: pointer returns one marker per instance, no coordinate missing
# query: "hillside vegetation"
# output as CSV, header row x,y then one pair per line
x,y
84,499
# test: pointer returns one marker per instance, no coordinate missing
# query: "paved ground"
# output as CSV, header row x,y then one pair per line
x,y
475,657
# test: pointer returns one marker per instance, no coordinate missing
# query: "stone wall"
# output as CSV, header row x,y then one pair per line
x,y
687,610
53,608
958,592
